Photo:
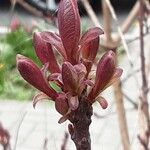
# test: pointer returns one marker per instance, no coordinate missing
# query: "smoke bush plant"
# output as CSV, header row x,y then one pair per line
x,y
72,73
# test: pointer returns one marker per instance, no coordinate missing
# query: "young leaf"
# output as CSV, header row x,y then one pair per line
x,y
40,96
102,101
70,78
61,104
69,27
54,40
90,35
89,50
104,73
32,74
45,53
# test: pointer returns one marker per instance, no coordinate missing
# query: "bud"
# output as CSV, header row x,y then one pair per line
x,y
70,78
89,43
69,28
73,102
32,74
45,53
104,73
102,101
61,104
55,41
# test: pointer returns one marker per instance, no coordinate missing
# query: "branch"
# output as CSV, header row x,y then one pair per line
x,y
65,140
121,116
81,120
114,16
91,13
144,120
131,101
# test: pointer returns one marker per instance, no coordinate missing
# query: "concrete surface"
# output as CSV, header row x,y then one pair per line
x,y
33,126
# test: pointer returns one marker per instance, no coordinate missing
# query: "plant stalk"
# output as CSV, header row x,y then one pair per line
x,y
81,120
144,118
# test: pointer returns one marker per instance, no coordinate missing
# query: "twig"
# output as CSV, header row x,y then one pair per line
x,y
120,32
124,27
130,75
147,4
131,17
97,116
30,8
45,144
130,100
65,140
29,133
106,21
118,91
91,13
121,116
144,120
19,126
138,37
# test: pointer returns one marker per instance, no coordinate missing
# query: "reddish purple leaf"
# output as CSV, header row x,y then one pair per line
x,y
32,74
57,78
45,53
40,96
88,82
81,71
69,27
117,74
73,102
61,104
102,101
88,64
104,73
54,40
90,35
89,52
90,49
70,78
63,118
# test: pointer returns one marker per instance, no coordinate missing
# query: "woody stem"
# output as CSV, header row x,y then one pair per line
x,y
81,120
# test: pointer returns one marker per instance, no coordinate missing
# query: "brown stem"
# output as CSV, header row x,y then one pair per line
x,y
144,119
107,21
121,116
81,120
91,13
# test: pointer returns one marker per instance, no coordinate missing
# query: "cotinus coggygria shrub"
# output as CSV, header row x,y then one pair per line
x,y
71,73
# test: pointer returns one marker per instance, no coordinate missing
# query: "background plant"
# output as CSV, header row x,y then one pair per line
x,y
17,41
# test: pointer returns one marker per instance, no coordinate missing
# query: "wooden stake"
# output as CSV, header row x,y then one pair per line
x,y
121,116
